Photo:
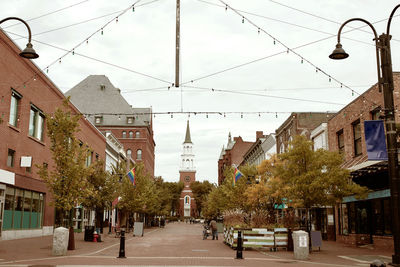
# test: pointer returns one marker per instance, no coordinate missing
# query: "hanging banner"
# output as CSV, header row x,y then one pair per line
x,y
375,140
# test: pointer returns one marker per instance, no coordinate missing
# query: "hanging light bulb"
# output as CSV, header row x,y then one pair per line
x,y
302,60
133,8
352,93
341,85
119,117
259,115
24,85
287,52
47,70
316,70
116,19
242,19
224,115
87,41
276,114
207,115
226,7
34,77
258,30
241,115
59,60
73,52
172,115
330,79
101,31
274,41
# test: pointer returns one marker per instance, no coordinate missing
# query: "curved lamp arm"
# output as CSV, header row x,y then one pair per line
x,y
390,19
24,22
28,52
375,39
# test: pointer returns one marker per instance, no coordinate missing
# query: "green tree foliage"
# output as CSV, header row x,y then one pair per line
x,y
104,186
68,181
168,196
314,178
200,191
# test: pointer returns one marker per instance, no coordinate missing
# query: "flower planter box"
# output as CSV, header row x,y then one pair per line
x,y
259,238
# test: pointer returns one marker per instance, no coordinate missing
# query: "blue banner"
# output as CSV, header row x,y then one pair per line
x,y
375,140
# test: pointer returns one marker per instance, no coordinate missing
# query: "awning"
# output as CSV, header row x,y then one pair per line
x,y
372,195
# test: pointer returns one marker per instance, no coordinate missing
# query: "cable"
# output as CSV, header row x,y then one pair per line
x,y
329,20
288,23
91,58
44,15
268,96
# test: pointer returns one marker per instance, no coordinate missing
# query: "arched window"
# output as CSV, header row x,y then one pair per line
x,y
129,153
139,154
137,134
130,134
187,164
187,200
123,134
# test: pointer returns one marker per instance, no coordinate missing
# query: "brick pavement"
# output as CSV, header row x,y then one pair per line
x,y
178,244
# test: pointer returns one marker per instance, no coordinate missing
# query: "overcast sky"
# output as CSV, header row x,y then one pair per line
x,y
229,62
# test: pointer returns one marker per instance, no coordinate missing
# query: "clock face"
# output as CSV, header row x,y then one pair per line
x,y
187,178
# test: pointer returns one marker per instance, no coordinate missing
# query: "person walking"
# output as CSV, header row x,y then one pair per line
x,y
214,229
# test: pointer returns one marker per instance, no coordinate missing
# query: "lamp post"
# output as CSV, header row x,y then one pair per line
x,y
28,52
385,83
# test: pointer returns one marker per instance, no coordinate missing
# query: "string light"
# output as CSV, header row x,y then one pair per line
x,y
274,41
116,20
241,115
101,31
242,19
258,31
133,8
302,60
226,7
73,52
330,79
276,115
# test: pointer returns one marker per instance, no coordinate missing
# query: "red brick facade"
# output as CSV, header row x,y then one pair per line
x,y
34,89
187,177
233,154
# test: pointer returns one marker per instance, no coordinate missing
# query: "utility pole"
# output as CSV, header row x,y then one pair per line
x,y
391,139
178,41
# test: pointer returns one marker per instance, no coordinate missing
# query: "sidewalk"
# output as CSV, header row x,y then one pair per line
x,y
178,244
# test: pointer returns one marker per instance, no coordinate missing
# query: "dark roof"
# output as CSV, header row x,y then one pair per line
x,y
97,96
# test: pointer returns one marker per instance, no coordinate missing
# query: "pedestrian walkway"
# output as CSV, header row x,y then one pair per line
x,y
178,244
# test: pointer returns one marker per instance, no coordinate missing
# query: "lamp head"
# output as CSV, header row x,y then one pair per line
x,y
29,52
338,53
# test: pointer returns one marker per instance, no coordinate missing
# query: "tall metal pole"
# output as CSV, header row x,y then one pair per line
x,y
178,41
391,139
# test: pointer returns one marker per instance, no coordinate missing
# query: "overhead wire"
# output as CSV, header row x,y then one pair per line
x,y
286,22
46,14
326,19
263,95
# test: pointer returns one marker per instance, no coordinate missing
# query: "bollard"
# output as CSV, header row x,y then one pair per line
x,y
377,263
122,245
239,248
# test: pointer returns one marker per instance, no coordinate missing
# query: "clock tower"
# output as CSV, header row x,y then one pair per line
x,y
187,175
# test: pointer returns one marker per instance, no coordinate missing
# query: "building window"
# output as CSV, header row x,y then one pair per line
x,y
130,134
14,107
129,153
36,123
357,137
139,154
102,87
187,200
98,119
340,141
23,209
123,134
89,159
10,158
376,113
129,120
137,134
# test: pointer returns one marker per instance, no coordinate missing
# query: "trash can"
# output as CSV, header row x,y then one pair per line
x,y
89,230
300,245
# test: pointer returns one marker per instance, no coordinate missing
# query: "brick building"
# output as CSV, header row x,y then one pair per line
x,y
187,175
368,220
26,95
106,108
261,149
232,154
298,123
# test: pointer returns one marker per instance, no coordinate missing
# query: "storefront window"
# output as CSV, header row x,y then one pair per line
x,y
344,220
23,209
352,217
377,216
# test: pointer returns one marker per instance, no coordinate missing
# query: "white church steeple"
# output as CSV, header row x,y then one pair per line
x,y
187,157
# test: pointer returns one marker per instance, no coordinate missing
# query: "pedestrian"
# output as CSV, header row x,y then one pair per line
x,y
214,229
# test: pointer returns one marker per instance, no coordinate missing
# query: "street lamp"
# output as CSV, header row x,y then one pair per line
x,y
28,52
385,81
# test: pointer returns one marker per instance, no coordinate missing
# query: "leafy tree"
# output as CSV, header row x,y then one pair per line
x,y
104,186
313,178
67,182
200,191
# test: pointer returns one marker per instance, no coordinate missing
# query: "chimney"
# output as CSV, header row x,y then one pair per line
x,y
259,134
